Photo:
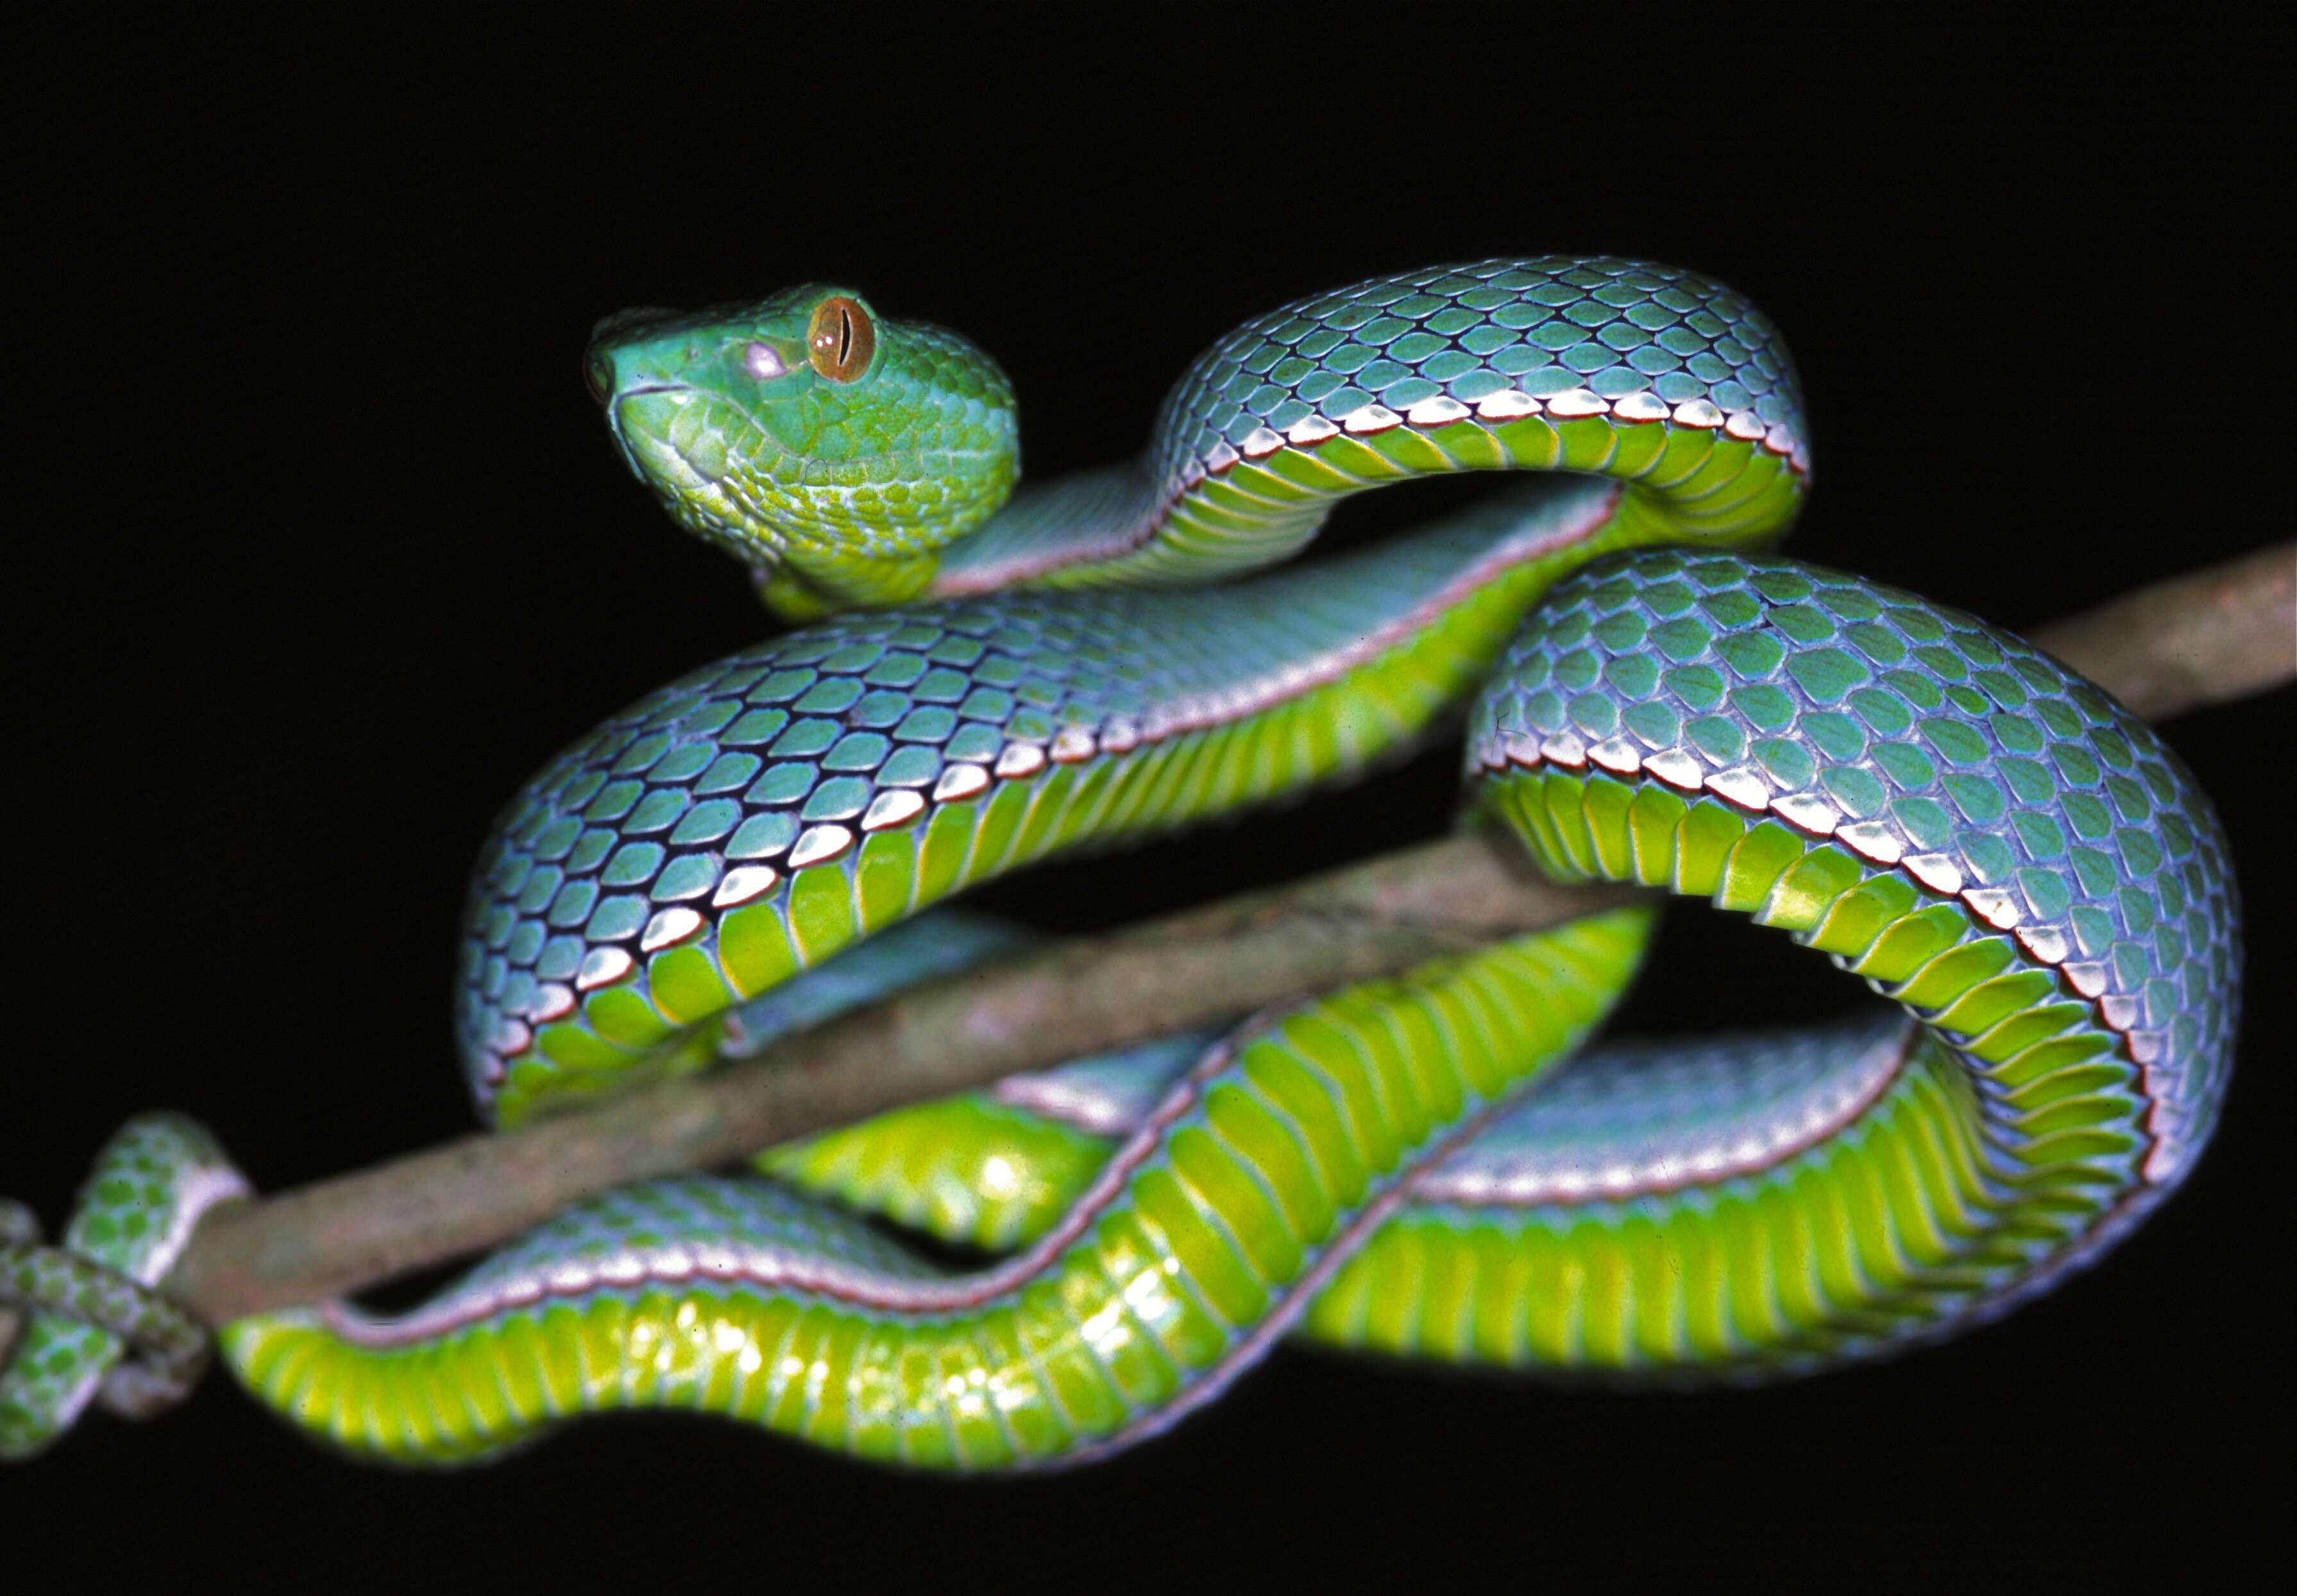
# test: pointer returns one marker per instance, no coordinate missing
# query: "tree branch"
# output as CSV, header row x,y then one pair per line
x,y
2197,640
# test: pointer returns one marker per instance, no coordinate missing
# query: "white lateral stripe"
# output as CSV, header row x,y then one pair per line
x,y
1506,404
1873,840
1018,759
602,966
895,806
1935,871
960,781
820,843
670,926
1741,786
1442,411
743,883
1676,768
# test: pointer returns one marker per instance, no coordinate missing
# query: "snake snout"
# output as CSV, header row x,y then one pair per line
x,y
614,374
598,375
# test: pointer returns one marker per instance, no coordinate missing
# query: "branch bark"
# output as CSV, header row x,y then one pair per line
x,y
2195,640
2198,639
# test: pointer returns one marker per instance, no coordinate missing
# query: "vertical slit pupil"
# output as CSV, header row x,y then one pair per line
x,y
839,338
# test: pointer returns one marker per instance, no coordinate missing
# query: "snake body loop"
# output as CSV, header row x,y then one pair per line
x,y
1946,813
94,1329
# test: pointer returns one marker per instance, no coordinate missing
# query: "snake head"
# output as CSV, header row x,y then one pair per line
x,y
834,451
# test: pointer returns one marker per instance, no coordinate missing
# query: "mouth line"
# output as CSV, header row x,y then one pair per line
x,y
614,411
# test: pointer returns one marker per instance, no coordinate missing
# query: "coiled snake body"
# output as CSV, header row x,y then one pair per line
x,y
1988,841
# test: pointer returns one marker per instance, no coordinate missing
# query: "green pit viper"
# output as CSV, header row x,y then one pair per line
x,y
1425,1166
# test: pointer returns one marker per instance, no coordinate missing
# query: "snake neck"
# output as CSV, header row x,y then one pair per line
x,y
1664,382
748,822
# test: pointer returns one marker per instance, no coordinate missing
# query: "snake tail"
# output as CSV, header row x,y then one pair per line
x,y
95,1331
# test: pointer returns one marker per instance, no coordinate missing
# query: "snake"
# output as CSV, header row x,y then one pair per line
x,y
977,676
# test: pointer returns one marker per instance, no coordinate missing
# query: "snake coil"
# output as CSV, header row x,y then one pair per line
x,y
1417,1166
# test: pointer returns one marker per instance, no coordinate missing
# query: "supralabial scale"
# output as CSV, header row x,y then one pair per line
x,y
1425,1166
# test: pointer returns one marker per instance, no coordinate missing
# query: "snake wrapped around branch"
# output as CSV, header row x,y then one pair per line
x,y
1426,1165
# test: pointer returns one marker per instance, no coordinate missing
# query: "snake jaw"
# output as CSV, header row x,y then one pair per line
x,y
682,443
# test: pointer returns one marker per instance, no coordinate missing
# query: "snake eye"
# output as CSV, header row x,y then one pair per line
x,y
840,339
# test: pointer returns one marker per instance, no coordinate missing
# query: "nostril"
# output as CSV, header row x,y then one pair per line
x,y
598,375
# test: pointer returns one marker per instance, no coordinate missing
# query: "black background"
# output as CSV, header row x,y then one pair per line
x,y
318,548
